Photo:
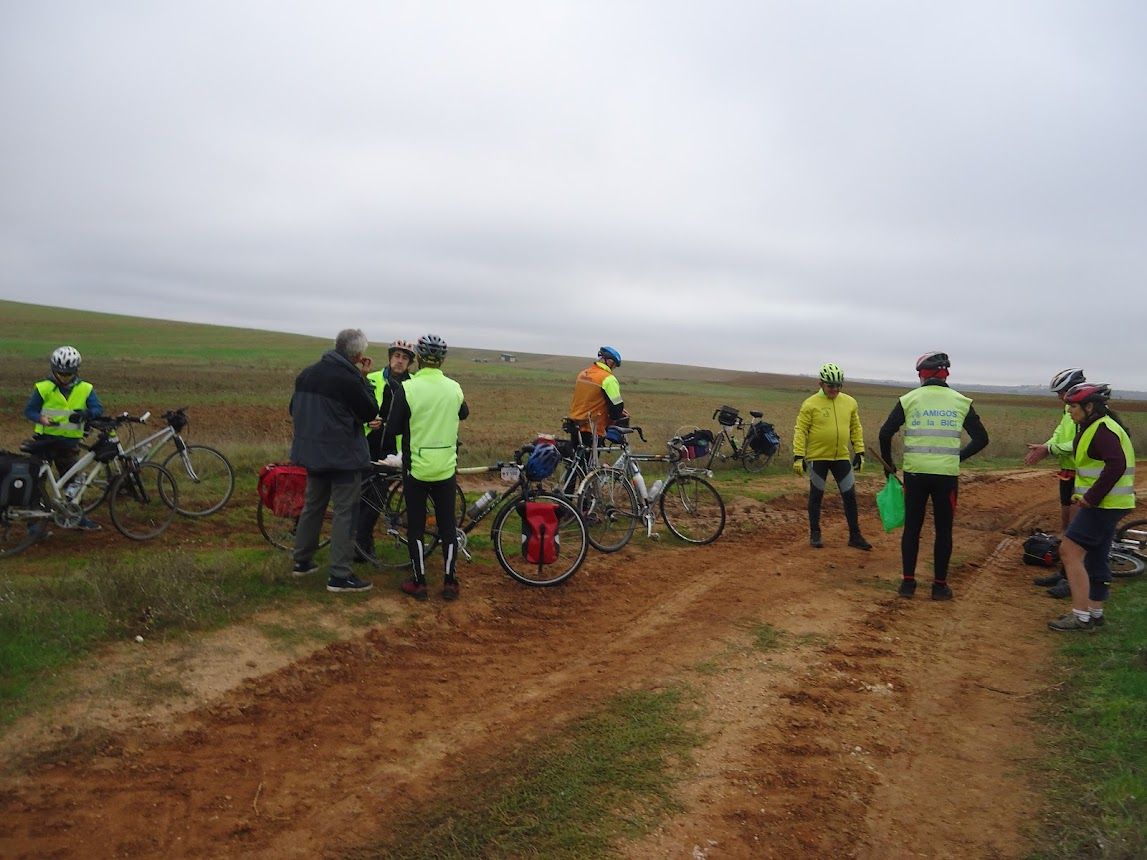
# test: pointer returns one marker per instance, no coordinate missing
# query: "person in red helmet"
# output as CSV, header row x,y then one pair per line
x,y
934,416
1104,491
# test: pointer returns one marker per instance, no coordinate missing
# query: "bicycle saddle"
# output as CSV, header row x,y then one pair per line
x,y
756,414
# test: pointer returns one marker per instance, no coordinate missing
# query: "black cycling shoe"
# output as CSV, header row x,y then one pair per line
x,y
1060,589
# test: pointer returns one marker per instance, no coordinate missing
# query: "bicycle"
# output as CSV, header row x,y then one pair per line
x,y
210,475
382,491
690,506
142,497
1129,551
757,444
508,529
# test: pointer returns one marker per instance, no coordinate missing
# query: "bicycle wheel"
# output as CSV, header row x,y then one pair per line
x,y
396,510
205,477
388,548
280,531
752,461
693,510
1125,564
1132,537
140,501
97,488
17,533
509,544
608,505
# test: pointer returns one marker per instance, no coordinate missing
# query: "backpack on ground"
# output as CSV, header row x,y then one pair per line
x,y
540,539
1041,549
762,438
282,488
19,480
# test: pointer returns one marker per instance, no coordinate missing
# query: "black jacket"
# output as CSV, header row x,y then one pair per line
x,y
331,402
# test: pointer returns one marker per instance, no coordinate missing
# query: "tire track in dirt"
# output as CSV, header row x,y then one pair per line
x,y
808,744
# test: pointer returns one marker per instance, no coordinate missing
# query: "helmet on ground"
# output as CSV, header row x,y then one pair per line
x,y
66,359
831,373
401,346
933,361
542,462
609,352
431,347
1065,379
1088,392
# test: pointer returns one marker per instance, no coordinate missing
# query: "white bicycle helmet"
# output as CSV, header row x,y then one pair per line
x,y
1065,379
66,359
403,346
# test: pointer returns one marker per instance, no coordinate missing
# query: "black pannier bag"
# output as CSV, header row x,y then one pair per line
x,y
1041,549
762,438
19,480
726,416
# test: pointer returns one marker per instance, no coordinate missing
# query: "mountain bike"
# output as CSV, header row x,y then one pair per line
x,y
206,477
508,529
142,496
690,506
740,439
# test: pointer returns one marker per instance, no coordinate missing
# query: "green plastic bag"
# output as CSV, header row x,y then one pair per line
x,y
890,503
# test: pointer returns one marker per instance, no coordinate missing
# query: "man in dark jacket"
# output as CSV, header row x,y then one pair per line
x,y
332,401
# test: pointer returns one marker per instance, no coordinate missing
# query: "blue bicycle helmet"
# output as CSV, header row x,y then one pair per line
x,y
542,462
610,352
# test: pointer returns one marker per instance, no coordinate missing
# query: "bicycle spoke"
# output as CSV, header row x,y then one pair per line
x,y
205,478
693,509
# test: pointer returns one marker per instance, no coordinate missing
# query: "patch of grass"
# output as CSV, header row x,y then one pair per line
x,y
48,621
1096,770
766,637
606,777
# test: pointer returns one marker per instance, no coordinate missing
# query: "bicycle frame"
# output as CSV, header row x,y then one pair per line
x,y
628,463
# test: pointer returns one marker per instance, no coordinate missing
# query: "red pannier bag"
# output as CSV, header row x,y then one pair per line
x,y
282,488
540,540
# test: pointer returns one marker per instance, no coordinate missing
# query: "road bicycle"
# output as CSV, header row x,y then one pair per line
x,y
689,505
206,477
740,439
382,491
509,527
1129,550
142,497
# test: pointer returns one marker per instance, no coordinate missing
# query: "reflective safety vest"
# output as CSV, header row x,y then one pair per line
x,y
1087,470
933,421
59,408
434,400
1061,441
591,389
377,380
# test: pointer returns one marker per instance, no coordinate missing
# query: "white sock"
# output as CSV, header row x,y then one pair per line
x,y
1095,613
1082,614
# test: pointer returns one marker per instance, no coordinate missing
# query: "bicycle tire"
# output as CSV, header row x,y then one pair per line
x,y
97,489
1132,537
752,461
280,531
608,505
140,501
18,533
396,507
210,479
1125,564
506,535
692,509
389,550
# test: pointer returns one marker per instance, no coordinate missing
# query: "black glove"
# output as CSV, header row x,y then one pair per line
x,y
858,461
78,417
889,471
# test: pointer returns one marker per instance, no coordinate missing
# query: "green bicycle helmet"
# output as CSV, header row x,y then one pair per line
x,y
832,374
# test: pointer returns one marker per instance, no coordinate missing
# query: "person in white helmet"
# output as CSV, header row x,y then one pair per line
x,y
58,408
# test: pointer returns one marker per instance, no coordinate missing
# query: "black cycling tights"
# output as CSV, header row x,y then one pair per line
x,y
918,489
841,470
442,494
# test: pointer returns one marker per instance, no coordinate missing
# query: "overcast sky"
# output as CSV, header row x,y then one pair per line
x,y
758,185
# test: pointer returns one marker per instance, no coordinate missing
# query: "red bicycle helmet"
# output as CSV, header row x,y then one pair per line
x,y
1088,392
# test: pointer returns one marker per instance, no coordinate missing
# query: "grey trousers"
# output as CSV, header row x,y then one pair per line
x,y
340,490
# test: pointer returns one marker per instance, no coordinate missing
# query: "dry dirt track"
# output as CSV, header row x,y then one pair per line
x,y
881,727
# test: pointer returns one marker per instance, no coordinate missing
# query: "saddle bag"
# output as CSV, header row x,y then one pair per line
x,y
282,488
762,438
19,480
540,539
697,444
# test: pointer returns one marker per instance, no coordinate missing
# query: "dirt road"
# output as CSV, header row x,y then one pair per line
x,y
879,728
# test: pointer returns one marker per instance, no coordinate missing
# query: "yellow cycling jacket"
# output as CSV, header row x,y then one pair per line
x,y
825,427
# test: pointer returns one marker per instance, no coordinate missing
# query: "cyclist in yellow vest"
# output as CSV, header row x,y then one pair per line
x,y
596,400
1060,444
385,383
1105,492
58,407
826,424
933,417
426,411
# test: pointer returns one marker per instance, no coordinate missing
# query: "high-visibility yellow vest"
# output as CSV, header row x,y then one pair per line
x,y
1087,470
60,408
933,421
434,400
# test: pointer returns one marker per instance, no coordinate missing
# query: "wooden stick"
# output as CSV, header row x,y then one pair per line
x,y
890,469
